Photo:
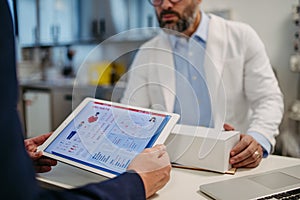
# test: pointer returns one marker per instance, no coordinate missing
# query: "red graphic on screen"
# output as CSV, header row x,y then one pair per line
x,y
92,119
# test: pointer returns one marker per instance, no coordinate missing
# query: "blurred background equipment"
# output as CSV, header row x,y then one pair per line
x,y
68,70
288,142
105,73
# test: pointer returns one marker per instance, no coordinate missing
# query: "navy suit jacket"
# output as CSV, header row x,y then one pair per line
x,y
17,176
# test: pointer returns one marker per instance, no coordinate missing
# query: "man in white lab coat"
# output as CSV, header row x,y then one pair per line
x,y
234,65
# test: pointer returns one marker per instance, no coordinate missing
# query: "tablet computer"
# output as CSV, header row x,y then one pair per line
x,y
103,137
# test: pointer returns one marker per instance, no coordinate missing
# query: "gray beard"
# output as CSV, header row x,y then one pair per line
x,y
182,24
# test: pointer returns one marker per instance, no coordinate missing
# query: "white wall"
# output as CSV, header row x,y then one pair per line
x,y
272,19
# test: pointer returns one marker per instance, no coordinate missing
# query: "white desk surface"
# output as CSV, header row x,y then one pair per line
x,y
184,184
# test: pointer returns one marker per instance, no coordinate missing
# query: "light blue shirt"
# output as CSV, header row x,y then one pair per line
x,y
262,140
189,57
190,76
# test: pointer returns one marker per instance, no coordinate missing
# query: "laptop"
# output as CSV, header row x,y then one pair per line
x,y
275,184
104,137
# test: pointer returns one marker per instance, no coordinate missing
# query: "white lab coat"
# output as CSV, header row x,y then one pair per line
x,y
241,71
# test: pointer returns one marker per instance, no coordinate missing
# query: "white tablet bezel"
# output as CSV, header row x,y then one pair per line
x,y
160,139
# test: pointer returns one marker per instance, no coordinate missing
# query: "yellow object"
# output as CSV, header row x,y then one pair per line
x,y
105,73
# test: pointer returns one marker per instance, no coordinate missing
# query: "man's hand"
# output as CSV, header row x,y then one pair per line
x,y
246,153
41,163
153,166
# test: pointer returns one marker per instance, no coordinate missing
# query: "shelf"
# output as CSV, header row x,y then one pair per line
x,y
294,112
114,39
294,116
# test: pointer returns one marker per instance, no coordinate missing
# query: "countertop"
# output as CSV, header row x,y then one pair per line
x,y
70,85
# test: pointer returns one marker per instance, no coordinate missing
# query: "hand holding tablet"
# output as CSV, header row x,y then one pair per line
x,y
153,166
150,159
104,137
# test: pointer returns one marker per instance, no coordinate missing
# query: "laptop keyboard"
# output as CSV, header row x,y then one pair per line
x,y
289,195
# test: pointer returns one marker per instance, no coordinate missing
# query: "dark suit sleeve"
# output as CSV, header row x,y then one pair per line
x,y
16,170
124,187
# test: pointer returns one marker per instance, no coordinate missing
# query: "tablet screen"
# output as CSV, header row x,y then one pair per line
x,y
107,137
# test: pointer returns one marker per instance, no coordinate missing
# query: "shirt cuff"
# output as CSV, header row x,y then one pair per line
x,y
263,141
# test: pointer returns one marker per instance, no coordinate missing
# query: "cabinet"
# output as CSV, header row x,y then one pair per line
x,y
63,22
27,22
100,19
44,107
37,112
58,21
47,22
